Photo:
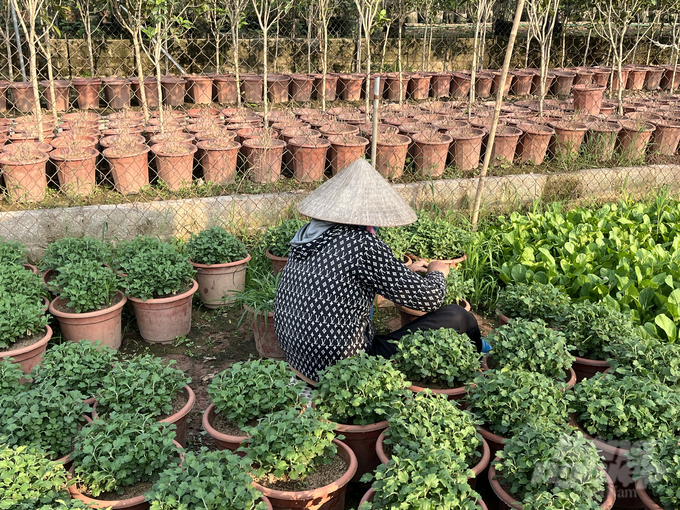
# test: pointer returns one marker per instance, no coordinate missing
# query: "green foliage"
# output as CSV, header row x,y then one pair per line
x,y
397,238
457,287
75,249
125,251
430,422
533,301
550,458
504,401
12,252
290,443
626,408
44,417
208,480
591,327
14,279
277,239
441,357
421,482
87,285
157,271
533,346
215,246
656,461
20,317
73,366
437,239
30,479
144,384
122,450
251,389
360,390
260,292
645,357
11,377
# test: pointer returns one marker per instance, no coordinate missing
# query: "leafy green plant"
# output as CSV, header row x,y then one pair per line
x,y
12,252
126,250
360,390
437,239
14,279
504,401
215,246
437,357
20,317
290,444
550,458
87,285
157,272
645,357
431,422
260,292
208,480
75,249
11,377
626,408
144,384
457,287
533,301
531,345
73,366
42,416
421,481
251,389
277,239
397,238
122,450
656,462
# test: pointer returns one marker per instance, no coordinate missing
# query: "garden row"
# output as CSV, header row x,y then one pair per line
x,y
205,89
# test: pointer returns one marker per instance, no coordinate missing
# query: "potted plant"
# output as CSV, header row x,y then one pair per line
x,y
308,154
75,366
568,138
620,410
442,360
292,456
431,150
76,168
435,239
531,345
148,386
220,260
645,357
505,400
12,378
601,139
218,157
90,304
175,163
277,240
129,166
209,480
116,458
13,252
531,301
24,170
545,463
160,285
16,279
633,137
245,392
654,465
398,239
359,393
263,157
73,249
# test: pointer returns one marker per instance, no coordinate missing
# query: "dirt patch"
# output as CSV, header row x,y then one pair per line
x,y
24,342
62,307
229,427
131,491
324,475
177,404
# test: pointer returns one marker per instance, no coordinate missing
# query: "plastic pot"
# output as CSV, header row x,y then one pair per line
x,y
505,145
225,86
22,96
278,263
219,163
179,419
309,158
533,144
483,83
199,88
150,91
175,170
88,92
263,159
563,82
350,86
496,83
646,497
431,150
116,92
331,86
392,86
223,441
391,155
61,90
301,86
601,139
362,440
636,78
568,138
586,368
633,138
26,181
277,87
665,137
522,83
653,78
588,99
266,342
76,174
615,77
419,86
460,85
31,355
440,85
345,150
173,88
130,170
466,147
217,283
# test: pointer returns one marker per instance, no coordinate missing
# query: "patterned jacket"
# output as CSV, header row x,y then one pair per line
x,y
326,291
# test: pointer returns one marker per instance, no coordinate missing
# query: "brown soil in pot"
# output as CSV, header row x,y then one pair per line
x,y
324,475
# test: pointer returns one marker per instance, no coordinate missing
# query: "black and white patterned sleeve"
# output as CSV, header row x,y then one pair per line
x,y
389,277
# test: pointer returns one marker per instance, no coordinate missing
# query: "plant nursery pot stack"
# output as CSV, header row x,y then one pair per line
x,y
199,88
129,167
329,497
330,89
419,86
391,155
505,145
665,137
431,150
568,138
175,163
218,158
61,90
225,88
87,90
392,86
277,87
161,320
588,99
350,86
25,175
460,85
266,342
601,139
633,138
563,82
103,325
533,144
76,169
466,147
29,356
301,86
263,157
483,83
150,91
22,96
217,283
173,88
309,158
116,92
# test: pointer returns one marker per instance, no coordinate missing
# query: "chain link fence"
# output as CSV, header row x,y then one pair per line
x,y
202,142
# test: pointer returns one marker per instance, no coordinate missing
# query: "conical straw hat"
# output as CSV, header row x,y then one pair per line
x,y
358,195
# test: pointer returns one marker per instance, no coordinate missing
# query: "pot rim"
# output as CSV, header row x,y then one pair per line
x,y
86,315
163,300
23,350
215,266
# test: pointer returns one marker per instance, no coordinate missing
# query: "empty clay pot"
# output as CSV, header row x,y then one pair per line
x,y
173,88
116,92
308,155
61,90
588,99
199,88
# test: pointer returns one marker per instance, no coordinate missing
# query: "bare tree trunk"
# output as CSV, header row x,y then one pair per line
x,y
564,40
368,77
140,75
429,49
526,55
585,53
234,39
32,40
473,74
265,86
422,64
157,62
325,66
276,47
309,43
8,45
400,64
384,48
358,66
50,74
217,51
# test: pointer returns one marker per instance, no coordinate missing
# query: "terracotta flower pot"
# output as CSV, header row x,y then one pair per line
x,y
601,139
199,88
4,85
667,77
584,76
22,96
175,163
223,441
533,144
460,85
419,86
391,155
392,86
665,137
601,76
111,140
103,325
161,320
218,161
586,368
277,87
31,355
645,497
301,86
253,86
568,138
217,283
87,90
173,88
329,497
150,91
264,158
26,181
496,83
266,342
431,151
636,78
350,86
588,99
76,172
466,147
505,145
278,263
331,86
633,138
61,90
362,440
129,167
653,78
225,87
615,77
116,92
309,158
522,83
440,84
483,83
179,419
507,502
563,82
